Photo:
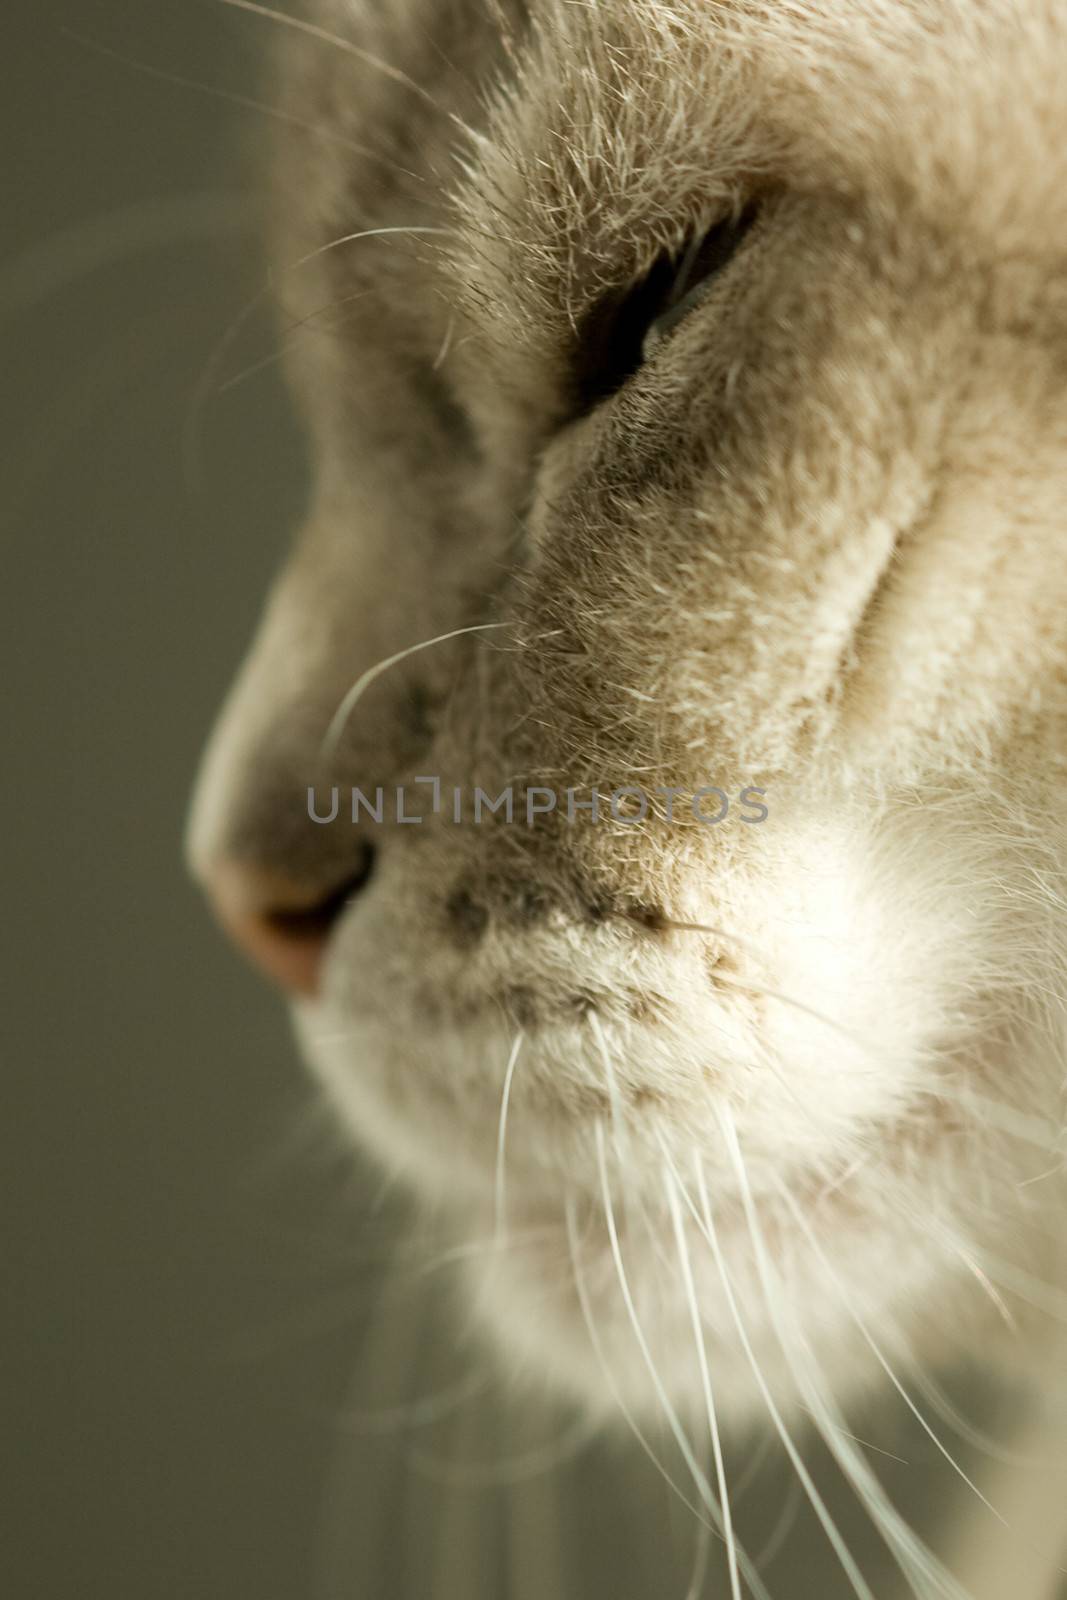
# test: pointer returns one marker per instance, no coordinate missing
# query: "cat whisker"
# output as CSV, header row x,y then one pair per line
x,y
338,721
1048,1298
965,1429
834,1185
365,57
833,1533
208,377
231,97
446,345
501,1140
1029,1129
700,1480
585,1305
954,1246
919,1566
877,1059
614,1097
875,1449
671,925
472,1249
705,1379
809,1234
989,1289
295,326
670,1414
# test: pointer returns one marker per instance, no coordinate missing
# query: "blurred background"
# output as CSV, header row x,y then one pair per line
x,y
166,1447
210,1379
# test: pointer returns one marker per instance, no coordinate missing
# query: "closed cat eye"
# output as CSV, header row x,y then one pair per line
x,y
623,330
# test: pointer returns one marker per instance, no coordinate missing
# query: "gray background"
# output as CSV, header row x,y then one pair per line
x,y
167,1411
192,1270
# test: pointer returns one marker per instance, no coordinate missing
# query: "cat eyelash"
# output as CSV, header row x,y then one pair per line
x,y
625,329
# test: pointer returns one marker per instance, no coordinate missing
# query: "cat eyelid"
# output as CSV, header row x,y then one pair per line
x,y
626,326
698,272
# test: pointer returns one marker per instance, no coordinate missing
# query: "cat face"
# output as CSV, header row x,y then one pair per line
x,y
686,381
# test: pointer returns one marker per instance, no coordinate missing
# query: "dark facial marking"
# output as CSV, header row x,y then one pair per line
x,y
467,919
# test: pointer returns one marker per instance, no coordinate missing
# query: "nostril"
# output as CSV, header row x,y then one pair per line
x,y
282,925
316,919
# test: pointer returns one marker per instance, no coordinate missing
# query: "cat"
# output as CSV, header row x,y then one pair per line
x,y
685,388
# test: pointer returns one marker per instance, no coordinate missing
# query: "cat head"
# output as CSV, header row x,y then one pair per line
x,y
685,384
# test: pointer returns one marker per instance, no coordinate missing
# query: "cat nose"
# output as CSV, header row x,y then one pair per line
x,y
281,925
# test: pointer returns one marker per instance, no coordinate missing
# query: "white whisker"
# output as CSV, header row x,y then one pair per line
x,y
617,1120
877,1449
987,1112
950,1414
312,30
684,1445
705,1378
208,377
699,1477
833,1533
955,1247
296,326
231,97
745,984
595,1340
1046,1297
340,717
501,1139
918,1564
471,1249
446,345
809,1234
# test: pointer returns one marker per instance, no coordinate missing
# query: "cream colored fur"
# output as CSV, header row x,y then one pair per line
x,y
817,544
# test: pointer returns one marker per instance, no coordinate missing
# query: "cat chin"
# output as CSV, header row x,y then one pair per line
x,y
609,1325
850,1101
598,1311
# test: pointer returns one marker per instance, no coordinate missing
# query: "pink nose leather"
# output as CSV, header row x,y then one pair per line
x,y
282,927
